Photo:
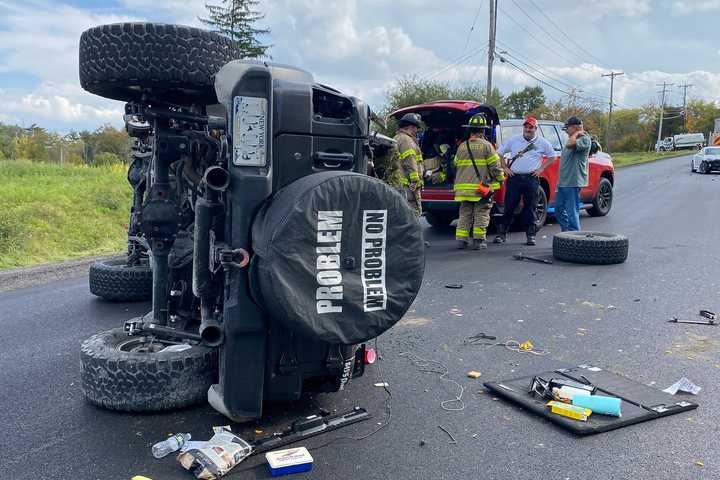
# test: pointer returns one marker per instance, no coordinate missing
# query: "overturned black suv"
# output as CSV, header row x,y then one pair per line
x,y
273,258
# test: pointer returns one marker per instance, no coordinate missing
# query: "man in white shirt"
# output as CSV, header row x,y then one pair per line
x,y
522,159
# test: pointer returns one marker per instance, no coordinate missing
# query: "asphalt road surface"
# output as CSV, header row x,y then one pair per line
x,y
610,316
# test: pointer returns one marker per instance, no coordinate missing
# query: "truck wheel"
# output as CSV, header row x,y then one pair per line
x,y
113,280
602,203
123,61
541,209
138,374
594,248
439,220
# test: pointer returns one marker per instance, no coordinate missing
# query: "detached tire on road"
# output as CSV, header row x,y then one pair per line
x,y
595,248
121,61
118,372
113,280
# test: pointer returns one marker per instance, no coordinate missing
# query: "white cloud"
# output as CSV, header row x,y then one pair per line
x,y
600,8
684,7
61,103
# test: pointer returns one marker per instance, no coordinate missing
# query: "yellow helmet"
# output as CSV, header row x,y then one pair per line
x,y
477,121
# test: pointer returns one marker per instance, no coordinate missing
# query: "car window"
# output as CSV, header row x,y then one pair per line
x,y
563,137
712,151
507,131
551,136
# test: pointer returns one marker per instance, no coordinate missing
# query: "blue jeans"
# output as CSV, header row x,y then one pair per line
x,y
566,208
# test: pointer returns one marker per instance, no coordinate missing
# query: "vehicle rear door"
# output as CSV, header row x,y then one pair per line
x,y
550,133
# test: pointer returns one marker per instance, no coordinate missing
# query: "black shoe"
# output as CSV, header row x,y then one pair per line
x,y
530,240
500,238
479,244
462,244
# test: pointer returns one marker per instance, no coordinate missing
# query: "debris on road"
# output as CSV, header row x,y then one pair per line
x,y
454,286
707,314
169,445
522,256
476,339
433,366
216,457
452,439
456,311
382,384
570,411
710,322
524,347
474,374
683,385
291,460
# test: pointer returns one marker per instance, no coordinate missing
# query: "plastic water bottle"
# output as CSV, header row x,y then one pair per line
x,y
170,445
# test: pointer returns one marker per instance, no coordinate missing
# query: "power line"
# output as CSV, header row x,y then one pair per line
x,y
472,27
563,31
540,42
456,62
548,34
540,70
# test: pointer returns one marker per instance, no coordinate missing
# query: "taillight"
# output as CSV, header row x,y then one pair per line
x,y
370,356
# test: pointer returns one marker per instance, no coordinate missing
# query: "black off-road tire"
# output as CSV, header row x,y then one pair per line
x,y
541,208
602,203
594,248
176,63
144,382
113,280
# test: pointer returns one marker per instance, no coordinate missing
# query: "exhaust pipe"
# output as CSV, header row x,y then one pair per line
x,y
211,331
216,178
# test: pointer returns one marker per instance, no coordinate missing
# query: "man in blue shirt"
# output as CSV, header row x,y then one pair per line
x,y
573,175
525,153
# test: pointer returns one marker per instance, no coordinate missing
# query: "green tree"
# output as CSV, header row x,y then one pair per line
x,y
236,19
519,104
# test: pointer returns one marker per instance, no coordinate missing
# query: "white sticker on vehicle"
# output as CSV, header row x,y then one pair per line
x,y
249,131
373,259
329,294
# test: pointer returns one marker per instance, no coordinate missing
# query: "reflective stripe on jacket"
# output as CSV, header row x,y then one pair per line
x,y
409,158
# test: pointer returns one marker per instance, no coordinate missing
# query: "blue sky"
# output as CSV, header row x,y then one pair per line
x,y
362,47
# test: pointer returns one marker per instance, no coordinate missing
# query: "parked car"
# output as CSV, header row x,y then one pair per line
x,y
444,120
706,160
678,142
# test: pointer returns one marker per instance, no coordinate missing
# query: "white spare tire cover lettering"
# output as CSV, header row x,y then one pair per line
x,y
339,256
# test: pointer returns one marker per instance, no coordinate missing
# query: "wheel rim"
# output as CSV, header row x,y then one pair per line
x,y
144,345
605,196
541,208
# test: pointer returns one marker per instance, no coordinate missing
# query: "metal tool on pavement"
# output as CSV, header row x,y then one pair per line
x,y
707,314
694,322
522,256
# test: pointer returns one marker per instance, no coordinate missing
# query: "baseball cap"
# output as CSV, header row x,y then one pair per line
x,y
573,121
531,121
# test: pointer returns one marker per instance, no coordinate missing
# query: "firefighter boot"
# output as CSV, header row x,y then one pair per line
x,y
530,239
462,244
479,244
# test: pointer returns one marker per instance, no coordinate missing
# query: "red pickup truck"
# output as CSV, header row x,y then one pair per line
x,y
444,120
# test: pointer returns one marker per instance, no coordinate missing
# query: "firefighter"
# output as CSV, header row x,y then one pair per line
x,y
410,160
478,174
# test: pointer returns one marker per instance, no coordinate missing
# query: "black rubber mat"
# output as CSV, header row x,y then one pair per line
x,y
640,403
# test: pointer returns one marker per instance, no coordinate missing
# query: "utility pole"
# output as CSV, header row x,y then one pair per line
x,y
685,87
612,76
662,107
491,46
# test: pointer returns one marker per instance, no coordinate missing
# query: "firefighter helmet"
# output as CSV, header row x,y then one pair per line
x,y
411,119
477,121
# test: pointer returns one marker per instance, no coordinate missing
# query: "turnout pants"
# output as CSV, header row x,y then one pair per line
x,y
474,220
413,199
525,186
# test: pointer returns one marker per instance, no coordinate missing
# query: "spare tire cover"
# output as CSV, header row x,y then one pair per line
x,y
339,256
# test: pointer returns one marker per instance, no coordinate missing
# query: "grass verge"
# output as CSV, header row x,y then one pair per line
x,y
52,212
625,159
